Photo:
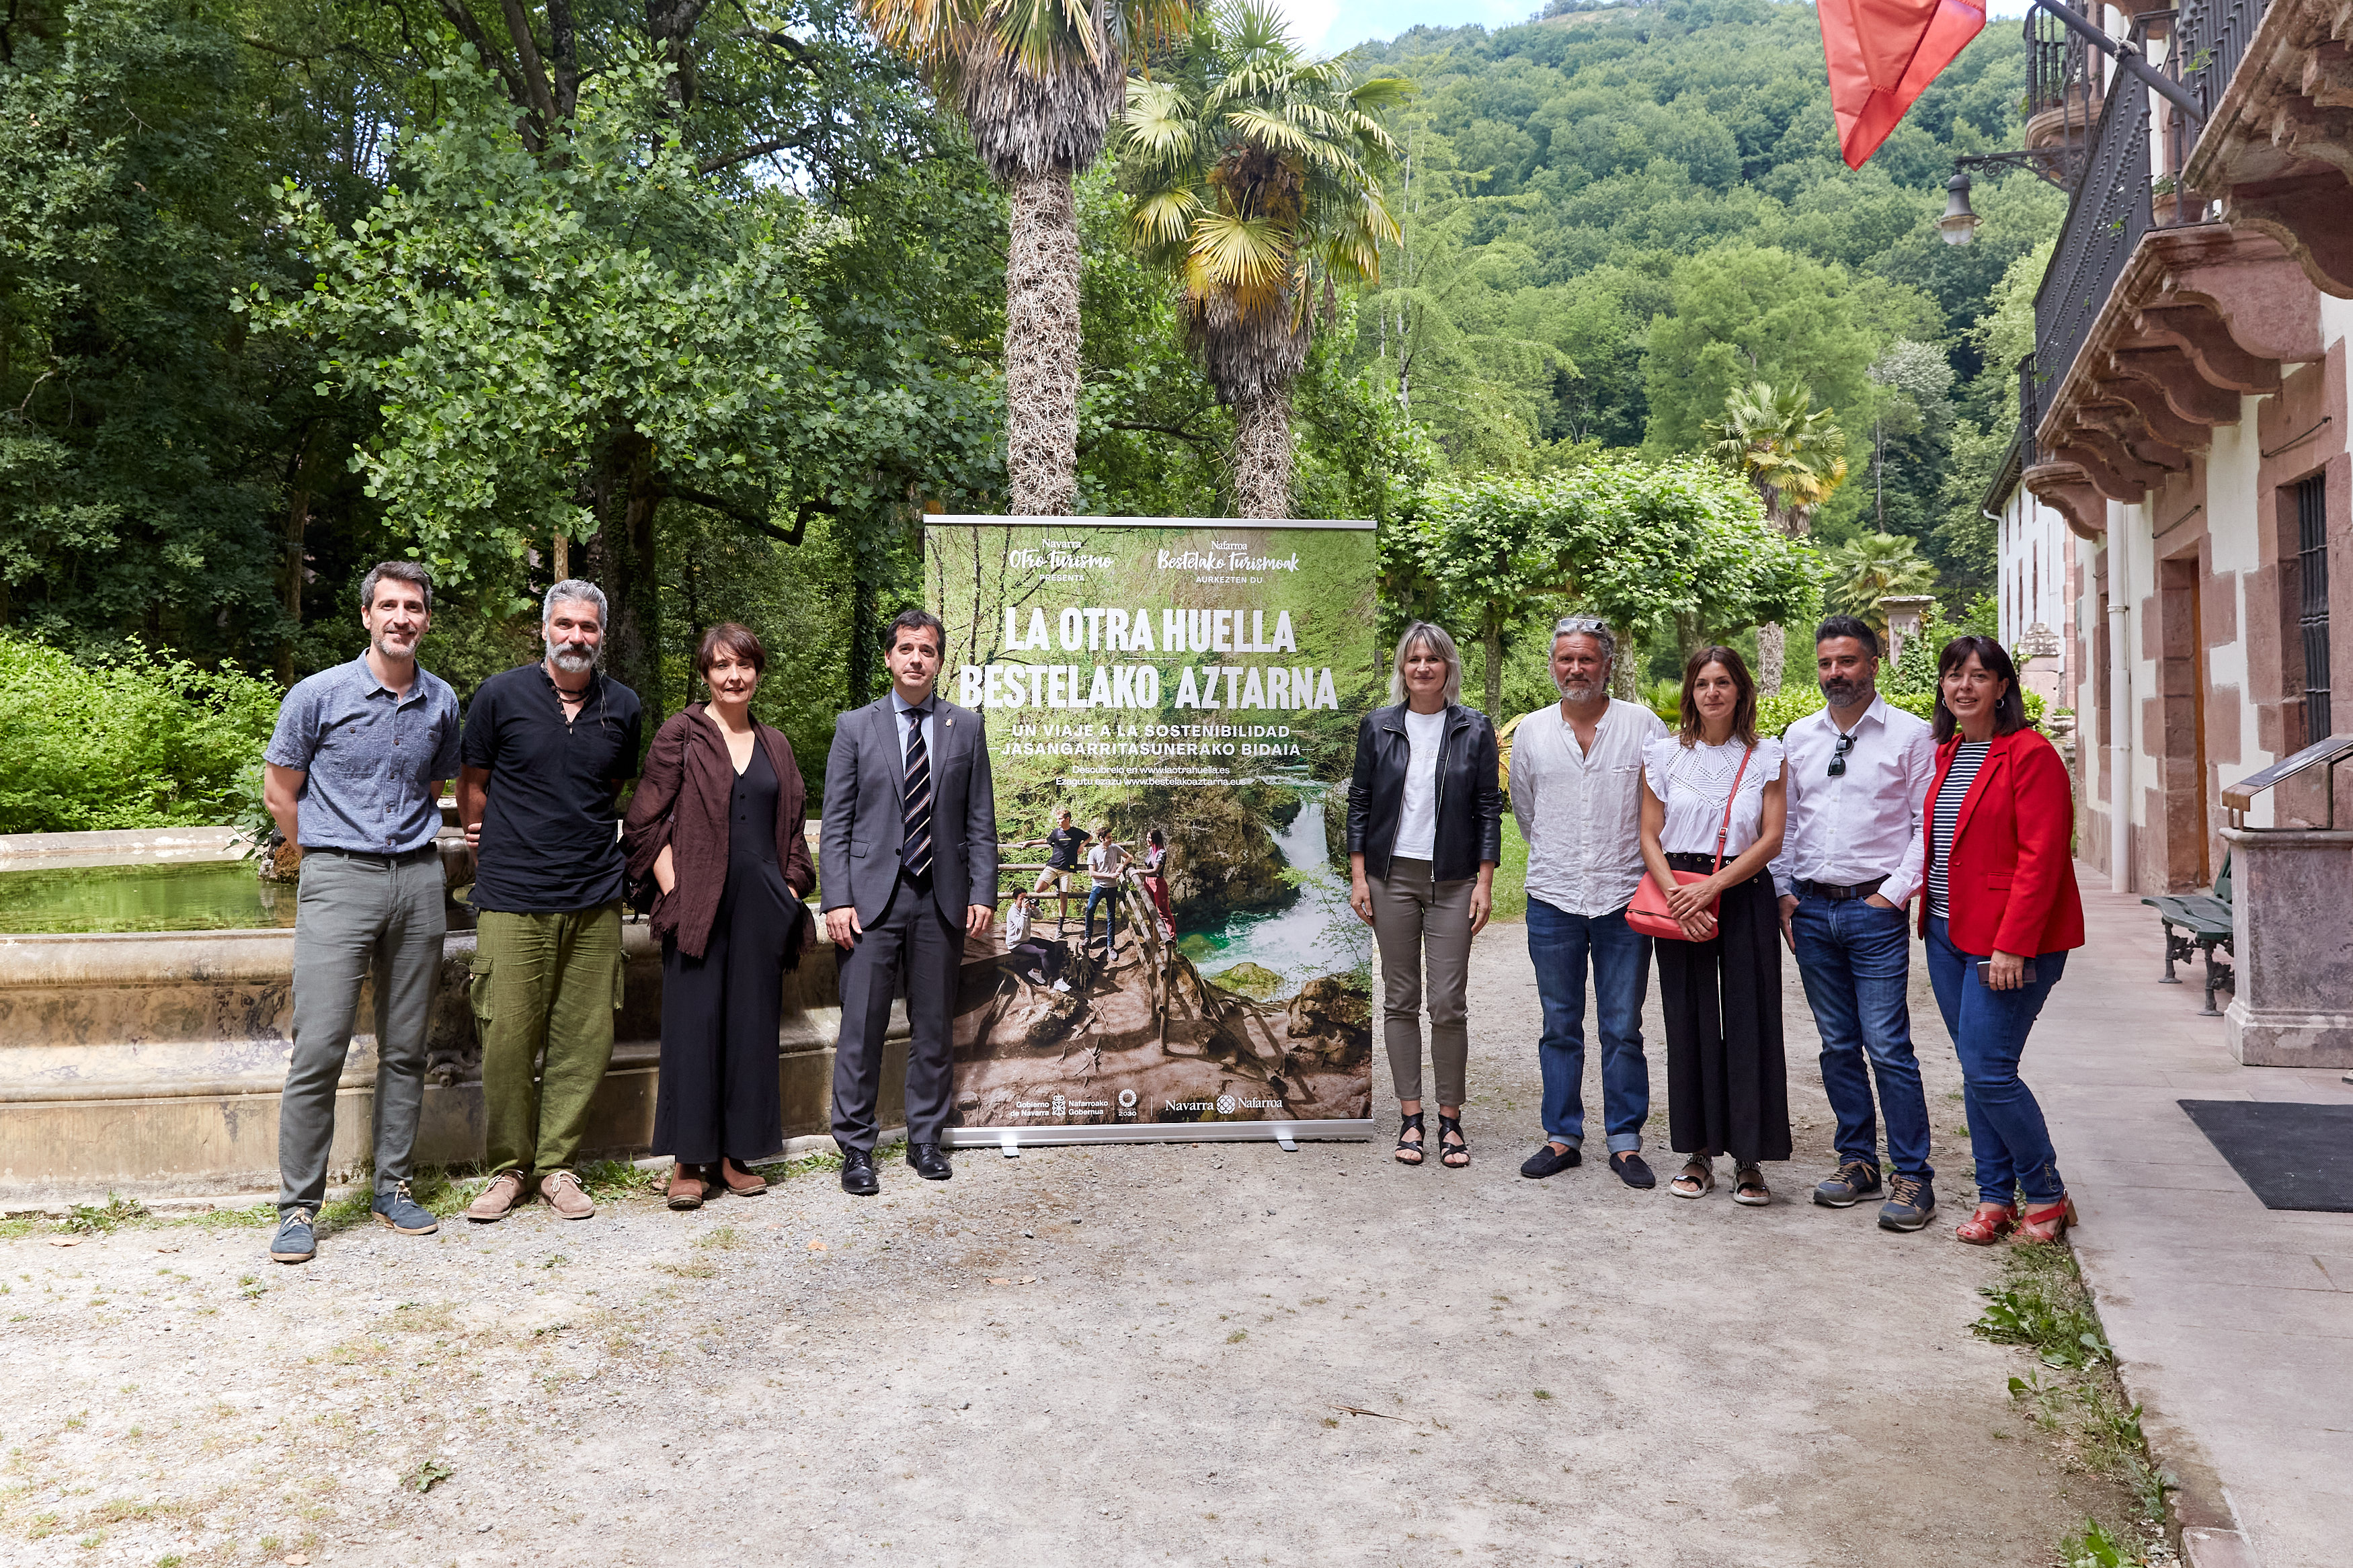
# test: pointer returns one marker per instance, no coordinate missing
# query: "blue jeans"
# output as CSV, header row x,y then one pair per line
x,y
1107,895
1560,944
2007,1132
1855,959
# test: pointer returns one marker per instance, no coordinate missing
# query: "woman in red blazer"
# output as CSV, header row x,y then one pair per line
x,y
2000,912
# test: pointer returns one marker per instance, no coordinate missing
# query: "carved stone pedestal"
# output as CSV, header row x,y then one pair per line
x,y
2291,903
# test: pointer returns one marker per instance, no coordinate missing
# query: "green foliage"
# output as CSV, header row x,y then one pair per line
x,y
1866,570
138,739
2095,1548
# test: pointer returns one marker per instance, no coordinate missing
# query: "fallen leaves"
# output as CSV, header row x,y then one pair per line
x,y
1360,1410
1002,1280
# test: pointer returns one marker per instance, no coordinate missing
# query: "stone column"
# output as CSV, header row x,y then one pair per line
x,y
2292,936
1904,613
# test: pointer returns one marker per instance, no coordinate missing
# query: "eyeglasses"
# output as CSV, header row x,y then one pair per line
x,y
1838,757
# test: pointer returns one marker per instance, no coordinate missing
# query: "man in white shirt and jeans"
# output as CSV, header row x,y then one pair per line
x,y
1576,772
1858,777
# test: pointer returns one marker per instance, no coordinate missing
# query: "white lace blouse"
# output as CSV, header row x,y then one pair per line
x,y
1692,781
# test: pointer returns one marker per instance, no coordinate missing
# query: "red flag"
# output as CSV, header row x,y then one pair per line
x,y
1881,55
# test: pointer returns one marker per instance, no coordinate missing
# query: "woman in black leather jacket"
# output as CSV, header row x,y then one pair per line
x,y
1425,830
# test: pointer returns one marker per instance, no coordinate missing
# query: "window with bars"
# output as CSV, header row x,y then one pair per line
x,y
2312,610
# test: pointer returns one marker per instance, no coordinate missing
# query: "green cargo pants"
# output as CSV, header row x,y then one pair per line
x,y
552,983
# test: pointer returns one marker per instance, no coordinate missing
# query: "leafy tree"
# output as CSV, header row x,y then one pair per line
x,y
1794,453
1866,570
1254,174
1038,81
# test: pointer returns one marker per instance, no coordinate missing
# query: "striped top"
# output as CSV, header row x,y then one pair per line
x,y
1945,817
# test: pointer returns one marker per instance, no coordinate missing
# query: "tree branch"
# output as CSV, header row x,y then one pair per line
x,y
744,155
533,128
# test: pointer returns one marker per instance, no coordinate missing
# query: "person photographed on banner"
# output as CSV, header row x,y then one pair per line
x,y
1016,919
2002,913
547,750
1857,791
1577,794
1155,881
353,774
1106,864
1425,832
907,861
717,825
1064,845
1713,812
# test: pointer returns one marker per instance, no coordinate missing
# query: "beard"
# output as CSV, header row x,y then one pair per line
x,y
385,647
1842,692
1580,691
573,658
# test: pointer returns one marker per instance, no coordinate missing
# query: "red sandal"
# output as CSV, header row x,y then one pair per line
x,y
2041,1223
1988,1226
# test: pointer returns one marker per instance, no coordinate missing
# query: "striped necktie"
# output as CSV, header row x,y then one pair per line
x,y
915,812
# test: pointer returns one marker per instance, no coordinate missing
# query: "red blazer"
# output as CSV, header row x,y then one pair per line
x,y
2011,875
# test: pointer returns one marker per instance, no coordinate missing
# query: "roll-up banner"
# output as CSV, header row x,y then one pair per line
x,y
1179,960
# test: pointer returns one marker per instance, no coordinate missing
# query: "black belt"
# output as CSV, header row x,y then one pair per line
x,y
381,857
1837,894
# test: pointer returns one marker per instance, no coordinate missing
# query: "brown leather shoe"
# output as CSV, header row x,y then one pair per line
x,y
743,1184
687,1186
501,1196
561,1191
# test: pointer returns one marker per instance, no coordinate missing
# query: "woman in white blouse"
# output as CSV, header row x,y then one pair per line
x,y
1727,1090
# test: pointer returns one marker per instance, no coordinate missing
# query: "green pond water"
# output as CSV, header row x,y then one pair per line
x,y
210,895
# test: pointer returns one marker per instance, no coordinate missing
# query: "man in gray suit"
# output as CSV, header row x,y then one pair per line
x,y
907,861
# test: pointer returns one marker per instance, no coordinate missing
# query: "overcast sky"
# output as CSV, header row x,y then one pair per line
x,y
1326,25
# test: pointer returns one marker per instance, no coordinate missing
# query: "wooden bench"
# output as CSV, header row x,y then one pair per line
x,y
2196,924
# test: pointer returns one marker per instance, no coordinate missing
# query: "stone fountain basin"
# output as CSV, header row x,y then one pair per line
x,y
150,1063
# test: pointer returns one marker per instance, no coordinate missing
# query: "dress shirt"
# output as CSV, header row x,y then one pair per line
x,y
372,755
1693,781
1580,811
899,707
1866,823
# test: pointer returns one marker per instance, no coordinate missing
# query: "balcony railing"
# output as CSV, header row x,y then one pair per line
x,y
2210,38
2106,221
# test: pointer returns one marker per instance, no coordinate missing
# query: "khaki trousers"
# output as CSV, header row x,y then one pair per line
x,y
1416,922
543,984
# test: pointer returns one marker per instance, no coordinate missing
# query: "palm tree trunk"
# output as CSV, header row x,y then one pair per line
x,y
1042,346
1262,454
1772,658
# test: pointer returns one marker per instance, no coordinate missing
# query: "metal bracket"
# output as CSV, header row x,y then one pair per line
x,y
1004,1140
2053,165
1282,1136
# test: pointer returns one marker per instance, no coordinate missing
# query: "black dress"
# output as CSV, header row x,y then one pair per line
x,y
718,1092
1727,1084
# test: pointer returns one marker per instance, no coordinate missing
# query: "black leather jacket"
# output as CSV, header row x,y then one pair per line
x,y
1469,795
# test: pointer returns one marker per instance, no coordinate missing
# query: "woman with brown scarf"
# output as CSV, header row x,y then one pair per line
x,y
717,824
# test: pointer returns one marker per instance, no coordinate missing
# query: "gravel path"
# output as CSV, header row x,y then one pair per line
x,y
1181,1354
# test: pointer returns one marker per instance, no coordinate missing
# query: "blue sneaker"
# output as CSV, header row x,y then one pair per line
x,y
296,1241
396,1210
1911,1204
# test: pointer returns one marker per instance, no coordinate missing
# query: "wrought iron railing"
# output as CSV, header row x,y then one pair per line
x,y
2029,413
2104,222
2058,66
2210,38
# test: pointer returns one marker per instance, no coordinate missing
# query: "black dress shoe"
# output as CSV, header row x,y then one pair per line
x,y
858,1177
930,1162
1545,1161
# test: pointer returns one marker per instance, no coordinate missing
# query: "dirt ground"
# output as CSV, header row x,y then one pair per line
x,y
1168,1353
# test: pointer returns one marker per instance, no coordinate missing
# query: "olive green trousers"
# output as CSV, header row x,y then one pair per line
x,y
544,991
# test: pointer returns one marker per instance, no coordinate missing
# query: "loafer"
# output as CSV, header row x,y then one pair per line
x,y
1545,1163
295,1242
1910,1205
1633,1170
396,1210
930,1162
565,1194
1853,1181
498,1200
858,1177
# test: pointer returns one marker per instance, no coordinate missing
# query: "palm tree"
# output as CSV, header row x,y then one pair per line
x,y
1796,456
1869,568
1254,176
1038,82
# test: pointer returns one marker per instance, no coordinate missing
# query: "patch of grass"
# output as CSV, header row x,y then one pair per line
x,y
1544,1393
720,1238
103,1219
15,1229
610,1181
1238,1336
2044,1306
427,1475
423,1318
688,1270
2095,1548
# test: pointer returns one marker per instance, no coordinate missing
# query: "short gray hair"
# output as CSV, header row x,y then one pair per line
x,y
1439,643
1592,626
410,572
574,591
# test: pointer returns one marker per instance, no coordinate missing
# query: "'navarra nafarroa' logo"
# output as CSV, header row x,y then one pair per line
x,y
1226,1104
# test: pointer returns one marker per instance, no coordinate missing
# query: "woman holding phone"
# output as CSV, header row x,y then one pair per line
x,y
2001,915
1712,806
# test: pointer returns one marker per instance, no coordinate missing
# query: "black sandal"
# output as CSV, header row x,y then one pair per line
x,y
1461,1145
1410,1124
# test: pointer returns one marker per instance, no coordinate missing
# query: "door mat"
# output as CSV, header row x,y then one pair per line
x,y
2291,1156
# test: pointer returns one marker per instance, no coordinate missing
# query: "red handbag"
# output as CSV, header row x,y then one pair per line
x,y
1648,914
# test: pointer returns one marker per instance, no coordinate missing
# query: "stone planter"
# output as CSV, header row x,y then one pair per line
x,y
151,1064
2292,940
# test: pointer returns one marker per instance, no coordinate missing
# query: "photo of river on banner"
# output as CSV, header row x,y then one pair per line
x,y
1179,953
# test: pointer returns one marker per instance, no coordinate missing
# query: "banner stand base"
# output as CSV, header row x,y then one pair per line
x,y
1011,1141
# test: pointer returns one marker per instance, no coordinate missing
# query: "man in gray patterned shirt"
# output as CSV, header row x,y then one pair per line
x,y
354,774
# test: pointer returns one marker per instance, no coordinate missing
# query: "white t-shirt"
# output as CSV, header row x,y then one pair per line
x,y
1104,862
1417,835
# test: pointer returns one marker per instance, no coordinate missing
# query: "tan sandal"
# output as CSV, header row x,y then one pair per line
x,y
1697,1179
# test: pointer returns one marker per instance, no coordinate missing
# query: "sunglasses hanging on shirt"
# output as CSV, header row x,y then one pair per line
x,y
1838,757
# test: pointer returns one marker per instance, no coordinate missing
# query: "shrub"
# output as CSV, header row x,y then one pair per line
x,y
140,740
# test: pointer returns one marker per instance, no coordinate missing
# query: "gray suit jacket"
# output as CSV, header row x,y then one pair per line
x,y
858,841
